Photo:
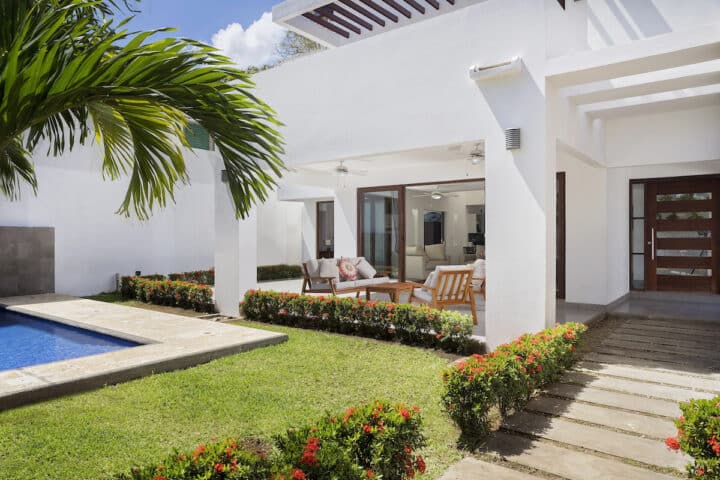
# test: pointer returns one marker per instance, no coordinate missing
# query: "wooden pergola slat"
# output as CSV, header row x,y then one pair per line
x,y
330,15
314,17
399,8
434,3
382,11
363,11
416,6
348,14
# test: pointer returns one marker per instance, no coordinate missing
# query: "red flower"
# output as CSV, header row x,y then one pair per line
x,y
539,368
160,477
219,467
369,473
298,474
672,443
367,429
699,472
405,413
420,462
416,409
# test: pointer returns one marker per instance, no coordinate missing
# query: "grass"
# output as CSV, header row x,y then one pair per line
x,y
97,434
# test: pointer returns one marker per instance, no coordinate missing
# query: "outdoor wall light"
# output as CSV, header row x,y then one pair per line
x,y
486,72
436,196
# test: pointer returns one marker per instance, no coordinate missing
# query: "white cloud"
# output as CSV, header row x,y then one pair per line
x,y
254,46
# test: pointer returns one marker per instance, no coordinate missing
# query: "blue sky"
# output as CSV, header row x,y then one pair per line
x,y
241,28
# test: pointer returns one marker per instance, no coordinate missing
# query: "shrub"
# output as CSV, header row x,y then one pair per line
x,y
505,378
202,277
168,292
699,436
278,272
375,440
409,324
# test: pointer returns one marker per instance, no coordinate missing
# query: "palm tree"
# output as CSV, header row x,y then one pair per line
x,y
69,73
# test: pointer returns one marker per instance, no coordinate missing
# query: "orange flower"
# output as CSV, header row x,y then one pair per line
x,y
672,443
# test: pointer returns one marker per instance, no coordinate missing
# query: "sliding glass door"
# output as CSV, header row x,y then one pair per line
x,y
381,229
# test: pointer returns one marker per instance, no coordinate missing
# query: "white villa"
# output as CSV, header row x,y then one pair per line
x,y
573,144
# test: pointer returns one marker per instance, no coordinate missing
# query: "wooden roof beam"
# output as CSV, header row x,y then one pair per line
x,y
348,14
382,11
416,6
314,17
330,15
399,8
434,3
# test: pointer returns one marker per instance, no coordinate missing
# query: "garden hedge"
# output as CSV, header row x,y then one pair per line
x,y
168,292
504,379
203,277
374,440
278,272
699,436
410,324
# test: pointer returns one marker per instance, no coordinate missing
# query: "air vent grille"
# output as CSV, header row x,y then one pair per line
x,y
512,138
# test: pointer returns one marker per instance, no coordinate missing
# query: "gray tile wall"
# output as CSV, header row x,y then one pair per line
x,y
27,260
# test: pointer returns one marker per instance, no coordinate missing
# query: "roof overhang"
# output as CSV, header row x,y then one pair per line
x,y
338,22
663,73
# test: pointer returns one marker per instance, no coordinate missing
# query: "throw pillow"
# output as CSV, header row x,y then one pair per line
x,y
328,268
348,271
313,268
435,252
478,268
431,280
365,269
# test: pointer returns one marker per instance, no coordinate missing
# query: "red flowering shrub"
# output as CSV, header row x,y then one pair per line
x,y
202,277
168,292
699,436
410,324
248,459
506,377
375,440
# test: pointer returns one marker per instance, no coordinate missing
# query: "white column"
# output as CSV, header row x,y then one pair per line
x,y
520,229
346,222
235,252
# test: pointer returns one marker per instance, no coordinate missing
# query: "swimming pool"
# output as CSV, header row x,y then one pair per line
x,y
27,340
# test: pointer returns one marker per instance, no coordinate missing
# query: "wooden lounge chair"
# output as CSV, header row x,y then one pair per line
x,y
450,286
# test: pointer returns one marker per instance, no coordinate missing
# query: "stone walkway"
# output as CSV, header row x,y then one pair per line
x,y
607,418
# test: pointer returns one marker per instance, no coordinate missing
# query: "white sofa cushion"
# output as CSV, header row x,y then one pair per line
x,y
436,251
329,269
414,250
478,267
422,294
346,284
313,268
365,269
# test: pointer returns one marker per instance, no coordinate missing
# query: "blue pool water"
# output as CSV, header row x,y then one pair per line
x,y
26,340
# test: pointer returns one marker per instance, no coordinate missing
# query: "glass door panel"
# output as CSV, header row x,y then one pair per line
x,y
325,229
381,225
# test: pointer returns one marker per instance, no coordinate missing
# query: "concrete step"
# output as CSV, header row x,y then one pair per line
x,y
687,326
667,357
622,445
474,469
659,428
623,359
626,401
697,351
633,373
663,331
706,344
564,462
634,387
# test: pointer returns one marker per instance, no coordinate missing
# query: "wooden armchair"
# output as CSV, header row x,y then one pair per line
x,y
451,287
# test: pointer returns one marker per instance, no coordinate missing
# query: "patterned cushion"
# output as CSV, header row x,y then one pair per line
x,y
348,270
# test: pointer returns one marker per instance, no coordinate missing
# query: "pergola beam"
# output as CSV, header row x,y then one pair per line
x,y
382,11
363,11
416,6
330,15
404,11
434,3
313,17
351,16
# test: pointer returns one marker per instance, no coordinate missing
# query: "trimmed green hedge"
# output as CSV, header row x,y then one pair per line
x,y
278,272
374,440
699,436
505,378
168,292
410,324
203,277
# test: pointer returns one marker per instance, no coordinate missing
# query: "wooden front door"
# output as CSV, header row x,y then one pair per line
x,y
682,228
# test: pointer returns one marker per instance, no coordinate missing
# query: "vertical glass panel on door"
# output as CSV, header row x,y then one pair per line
x,y
638,200
380,236
325,229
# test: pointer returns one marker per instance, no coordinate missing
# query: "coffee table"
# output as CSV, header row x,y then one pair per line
x,y
394,289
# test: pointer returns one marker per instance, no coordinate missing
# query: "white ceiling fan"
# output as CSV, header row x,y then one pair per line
x,y
436,194
341,170
477,156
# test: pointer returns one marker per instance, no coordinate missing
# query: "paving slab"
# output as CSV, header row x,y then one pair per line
x,y
665,333
705,344
169,342
623,445
666,378
566,463
642,389
702,372
626,401
659,428
707,364
474,469
685,327
697,351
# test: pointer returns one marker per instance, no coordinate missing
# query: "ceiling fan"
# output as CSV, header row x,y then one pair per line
x,y
436,194
341,170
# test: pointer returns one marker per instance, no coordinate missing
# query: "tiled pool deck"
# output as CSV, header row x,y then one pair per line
x,y
169,341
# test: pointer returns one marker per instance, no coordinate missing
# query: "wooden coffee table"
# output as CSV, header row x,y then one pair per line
x,y
394,289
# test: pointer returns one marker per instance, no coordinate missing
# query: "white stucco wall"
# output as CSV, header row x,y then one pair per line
x,y
279,232
92,242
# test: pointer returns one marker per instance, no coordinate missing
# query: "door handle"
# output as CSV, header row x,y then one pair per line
x,y
652,244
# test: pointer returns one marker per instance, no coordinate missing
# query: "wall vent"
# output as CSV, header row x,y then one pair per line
x,y
512,138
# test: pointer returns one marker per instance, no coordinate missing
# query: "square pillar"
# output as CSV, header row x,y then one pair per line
x,y
520,235
235,251
346,222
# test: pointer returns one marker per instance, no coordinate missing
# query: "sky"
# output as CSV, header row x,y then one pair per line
x,y
243,29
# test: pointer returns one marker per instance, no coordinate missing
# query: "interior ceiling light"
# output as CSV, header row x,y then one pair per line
x,y
477,156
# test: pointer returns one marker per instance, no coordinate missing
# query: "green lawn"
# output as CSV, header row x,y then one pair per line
x,y
262,392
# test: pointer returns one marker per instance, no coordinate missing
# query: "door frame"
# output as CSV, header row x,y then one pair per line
x,y
560,235
715,223
401,222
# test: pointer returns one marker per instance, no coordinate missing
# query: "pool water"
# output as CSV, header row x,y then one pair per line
x,y
27,340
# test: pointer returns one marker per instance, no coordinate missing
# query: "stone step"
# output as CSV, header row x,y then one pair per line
x,y
661,330
636,423
634,387
706,344
707,364
697,351
679,325
626,401
623,359
644,450
474,469
564,462
638,330
677,379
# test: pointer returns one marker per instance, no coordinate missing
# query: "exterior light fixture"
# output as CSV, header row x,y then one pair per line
x,y
436,196
486,72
